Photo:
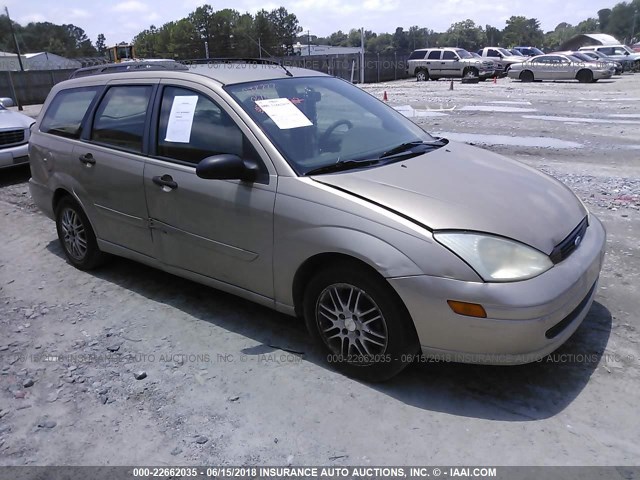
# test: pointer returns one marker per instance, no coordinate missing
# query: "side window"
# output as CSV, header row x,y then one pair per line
x,y
448,55
607,51
619,51
435,55
120,117
66,112
192,127
492,53
417,55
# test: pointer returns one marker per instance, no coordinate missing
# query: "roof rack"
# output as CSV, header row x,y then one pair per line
x,y
146,65
254,61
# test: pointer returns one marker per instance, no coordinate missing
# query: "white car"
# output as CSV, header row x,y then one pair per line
x,y
14,135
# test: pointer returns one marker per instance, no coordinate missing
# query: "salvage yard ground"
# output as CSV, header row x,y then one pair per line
x,y
229,382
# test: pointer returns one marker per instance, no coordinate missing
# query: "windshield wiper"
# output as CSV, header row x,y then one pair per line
x,y
408,146
342,165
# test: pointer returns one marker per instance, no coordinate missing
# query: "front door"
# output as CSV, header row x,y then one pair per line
x,y
222,229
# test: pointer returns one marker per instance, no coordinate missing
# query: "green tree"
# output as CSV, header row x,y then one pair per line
x,y
400,41
494,36
101,43
522,31
285,28
465,34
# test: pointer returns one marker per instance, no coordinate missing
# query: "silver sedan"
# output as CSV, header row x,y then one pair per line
x,y
559,67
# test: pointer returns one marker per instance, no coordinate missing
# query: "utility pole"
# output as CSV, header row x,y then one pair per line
x,y
362,55
15,40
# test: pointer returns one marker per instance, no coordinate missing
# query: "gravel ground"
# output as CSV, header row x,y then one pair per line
x,y
128,365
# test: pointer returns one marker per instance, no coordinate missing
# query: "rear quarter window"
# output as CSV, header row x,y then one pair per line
x,y
67,110
417,55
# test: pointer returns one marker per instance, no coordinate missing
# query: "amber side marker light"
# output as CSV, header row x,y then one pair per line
x,y
467,309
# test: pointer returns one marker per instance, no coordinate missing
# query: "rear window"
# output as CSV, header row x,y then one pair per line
x,y
417,55
67,110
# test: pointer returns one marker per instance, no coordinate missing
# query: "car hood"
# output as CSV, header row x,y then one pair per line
x,y
13,120
466,188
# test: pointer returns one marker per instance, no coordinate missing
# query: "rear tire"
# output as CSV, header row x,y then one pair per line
x,y
422,75
76,236
360,323
527,76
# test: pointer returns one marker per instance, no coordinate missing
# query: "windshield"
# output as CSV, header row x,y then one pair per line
x,y
583,56
505,52
628,49
463,54
536,51
319,121
2,107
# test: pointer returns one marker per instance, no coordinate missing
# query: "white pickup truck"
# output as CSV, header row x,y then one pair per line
x,y
502,58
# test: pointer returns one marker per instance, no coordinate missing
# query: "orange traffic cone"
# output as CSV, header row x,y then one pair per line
x,y
451,85
384,97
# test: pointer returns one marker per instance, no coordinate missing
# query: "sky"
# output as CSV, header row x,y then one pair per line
x,y
121,20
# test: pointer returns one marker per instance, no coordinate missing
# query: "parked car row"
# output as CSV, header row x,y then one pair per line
x,y
589,64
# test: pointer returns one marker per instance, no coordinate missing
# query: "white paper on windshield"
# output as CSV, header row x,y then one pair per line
x,y
181,118
284,113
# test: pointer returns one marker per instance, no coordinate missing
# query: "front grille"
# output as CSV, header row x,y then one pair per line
x,y
569,244
558,328
11,136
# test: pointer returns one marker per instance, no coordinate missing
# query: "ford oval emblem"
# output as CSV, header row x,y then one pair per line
x,y
577,241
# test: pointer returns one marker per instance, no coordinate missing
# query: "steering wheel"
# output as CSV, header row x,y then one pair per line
x,y
327,133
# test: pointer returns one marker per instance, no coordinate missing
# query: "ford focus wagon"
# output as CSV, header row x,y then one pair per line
x,y
301,192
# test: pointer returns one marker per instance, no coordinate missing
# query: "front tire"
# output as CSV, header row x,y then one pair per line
x,y
526,76
584,76
76,236
360,323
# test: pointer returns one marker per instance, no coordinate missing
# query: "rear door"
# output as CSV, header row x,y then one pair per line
x,y
433,62
109,165
221,229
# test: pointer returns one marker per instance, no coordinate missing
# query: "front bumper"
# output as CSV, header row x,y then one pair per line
x,y
602,74
16,155
525,321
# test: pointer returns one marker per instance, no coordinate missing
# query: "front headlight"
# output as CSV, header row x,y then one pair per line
x,y
495,259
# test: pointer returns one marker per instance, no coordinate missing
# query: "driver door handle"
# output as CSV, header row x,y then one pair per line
x,y
166,182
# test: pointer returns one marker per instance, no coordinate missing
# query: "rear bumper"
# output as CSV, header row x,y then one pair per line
x,y
43,197
16,155
526,321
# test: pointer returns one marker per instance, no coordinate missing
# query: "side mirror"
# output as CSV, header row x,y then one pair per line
x,y
227,167
8,102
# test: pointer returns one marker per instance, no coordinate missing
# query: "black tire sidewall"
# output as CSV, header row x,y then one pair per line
x,y
93,256
402,338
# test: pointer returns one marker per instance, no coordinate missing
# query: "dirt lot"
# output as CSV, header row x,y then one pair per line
x,y
228,382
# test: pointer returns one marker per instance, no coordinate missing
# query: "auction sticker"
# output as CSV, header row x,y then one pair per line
x,y
284,113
